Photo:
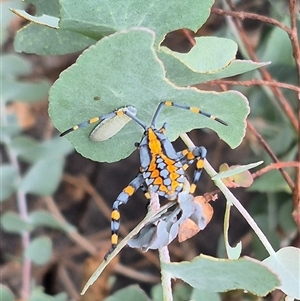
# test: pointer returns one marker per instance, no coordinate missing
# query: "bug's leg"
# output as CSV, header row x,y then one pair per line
x,y
180,106
122,198
90,121
188,157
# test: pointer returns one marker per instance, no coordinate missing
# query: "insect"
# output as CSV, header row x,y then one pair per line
x,y
110,124
162,169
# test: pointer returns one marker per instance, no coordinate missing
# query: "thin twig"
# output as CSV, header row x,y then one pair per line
x,y
296,53
244,15
73,235
273,166
286,107
164,257
232,199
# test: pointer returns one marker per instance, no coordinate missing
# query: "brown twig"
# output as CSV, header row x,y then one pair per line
x,y
296,52
244,15
273,166
265,74
75,236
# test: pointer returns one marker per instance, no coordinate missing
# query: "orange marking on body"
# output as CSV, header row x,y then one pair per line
x,y
154,143
152,165
200,164
154,174
184,152
168,103
114,239
171,168
168,161
129,190
95,119
194,110
75,127
174,176
120,113
190,156
192,188
158,181
163,188
115,215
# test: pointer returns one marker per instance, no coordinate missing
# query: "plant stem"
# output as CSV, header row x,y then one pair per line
x,y
233,200
164,257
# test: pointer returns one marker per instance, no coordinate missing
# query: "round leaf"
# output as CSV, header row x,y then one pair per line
x,y
122,70
39,250
220,275
286,263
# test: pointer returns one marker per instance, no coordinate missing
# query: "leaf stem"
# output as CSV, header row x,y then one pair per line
x,y
233,200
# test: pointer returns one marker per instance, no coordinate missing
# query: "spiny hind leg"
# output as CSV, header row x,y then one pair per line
x,y
122,198
188,157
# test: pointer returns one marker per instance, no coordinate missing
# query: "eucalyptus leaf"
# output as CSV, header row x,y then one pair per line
x,y
199,58
5,293
129,293
286,264
12,222
43,40
220,275
8,181
47,7
31,151
96,21
37,294
24,91
46,219
43,177
39,250
14,65
117,76
45,20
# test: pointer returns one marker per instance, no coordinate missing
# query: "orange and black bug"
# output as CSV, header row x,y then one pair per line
x,y
162,169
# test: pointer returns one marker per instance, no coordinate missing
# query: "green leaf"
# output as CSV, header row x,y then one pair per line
x,y
180,74
43,177
94,20
13,223
286,222
121,77
199,295
14,65
47,7
283,54
46,20
220,275
7,18
43,40
129,293
286,264
31,151
37,294
8,181
5,293
39,250
209,55
45,219
24,91
236,170
262,184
